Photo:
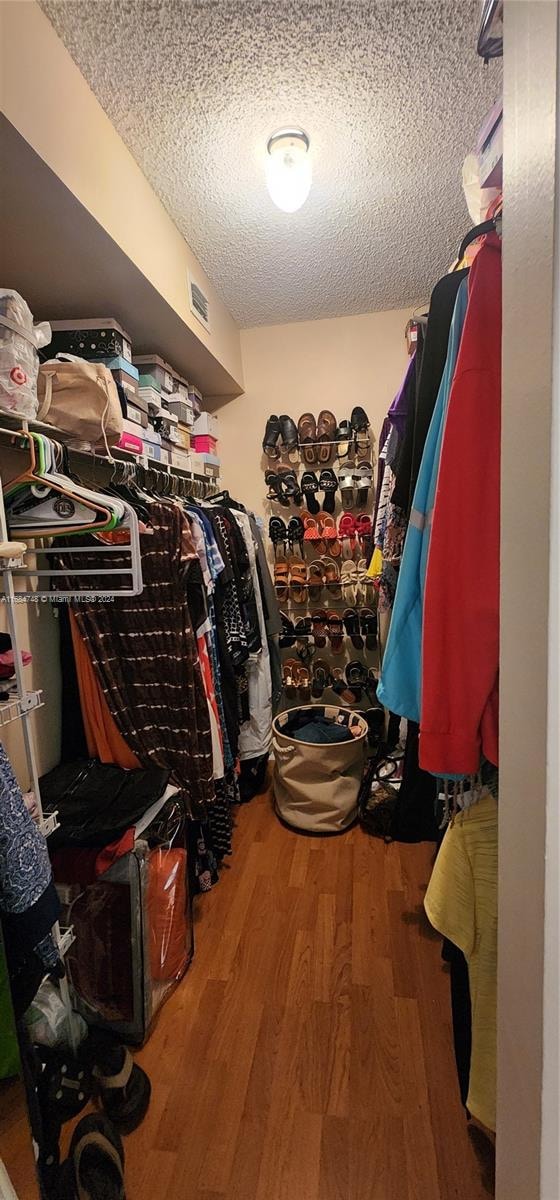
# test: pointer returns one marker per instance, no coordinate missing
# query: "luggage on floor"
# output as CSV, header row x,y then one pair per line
x,y
317,780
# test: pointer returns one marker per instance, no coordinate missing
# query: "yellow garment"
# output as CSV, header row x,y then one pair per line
x,y
376,565
462,903
104,739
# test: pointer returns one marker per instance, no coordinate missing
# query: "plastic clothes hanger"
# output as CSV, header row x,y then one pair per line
x,y
40,485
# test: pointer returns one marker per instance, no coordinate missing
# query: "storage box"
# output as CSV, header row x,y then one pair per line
x,y
151,435
161,372
490,148
195,398
150,381
92,337
151,450
126,381
151,397
204,444
183,436
180,459
211,465
181,407
136,415
207,424
117,363
131,442
180,385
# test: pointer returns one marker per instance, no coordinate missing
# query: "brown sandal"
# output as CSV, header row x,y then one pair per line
x,y
332,580
290,670
319,626
326,430
298,580
281,578
307,436
316,580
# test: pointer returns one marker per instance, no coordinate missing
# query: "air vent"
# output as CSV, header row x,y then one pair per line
x,y
199,303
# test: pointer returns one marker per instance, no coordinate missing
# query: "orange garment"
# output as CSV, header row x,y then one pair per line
x,y
104,740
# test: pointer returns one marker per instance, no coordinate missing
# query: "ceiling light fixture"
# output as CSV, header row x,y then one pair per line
x,y
288,168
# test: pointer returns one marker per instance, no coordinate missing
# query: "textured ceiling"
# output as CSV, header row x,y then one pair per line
x,y
391,93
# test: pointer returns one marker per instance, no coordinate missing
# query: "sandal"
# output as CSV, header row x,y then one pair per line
x,y
281,579
123,1086
345,437
321,677
272,479
289,676
271,438
312,533
307,437
288,636
298,580
347,534
326,430
277,533
363,478
360,424
368,625
295,533
310,487
316,580
288,486
329,485
332,579
349,580
304,684
95,1163
319,628
352,626
363,528
339,685
304,650
327,526
289,434
336,632
346,484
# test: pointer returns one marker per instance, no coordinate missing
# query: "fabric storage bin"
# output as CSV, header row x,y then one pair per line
x,y
160,371
94,337
316,786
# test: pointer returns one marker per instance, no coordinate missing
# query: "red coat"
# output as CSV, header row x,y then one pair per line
x,y
460,643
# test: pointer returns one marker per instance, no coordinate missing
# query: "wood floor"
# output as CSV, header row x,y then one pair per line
x,y
308,1053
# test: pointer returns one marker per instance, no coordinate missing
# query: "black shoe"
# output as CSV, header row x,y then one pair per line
x,y
289,433
328,484
272,437
359,419
310,487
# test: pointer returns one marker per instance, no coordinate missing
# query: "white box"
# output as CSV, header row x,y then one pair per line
x,y
206,423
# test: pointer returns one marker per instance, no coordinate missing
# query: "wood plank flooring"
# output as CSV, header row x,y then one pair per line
x,y
308,1053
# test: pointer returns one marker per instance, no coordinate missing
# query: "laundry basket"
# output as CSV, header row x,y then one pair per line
x,y
316,785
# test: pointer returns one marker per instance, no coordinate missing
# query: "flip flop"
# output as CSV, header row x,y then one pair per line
x,y
281,579
368,625
326,430
298,580
327,525
289,676
271,438
310,487
319,627
363,477
346,484
349,580
347,534
321,678
316,580
307,437
95,1164
123,1086
352,626
332,579
329,485
336,632
277,532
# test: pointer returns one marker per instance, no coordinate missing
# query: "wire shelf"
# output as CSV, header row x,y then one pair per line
x,y
13,710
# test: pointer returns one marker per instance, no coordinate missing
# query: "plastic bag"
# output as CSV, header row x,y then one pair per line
x,y
20,340
48,1021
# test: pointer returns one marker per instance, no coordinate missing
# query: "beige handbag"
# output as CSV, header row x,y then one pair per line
x,y
80,398
316,786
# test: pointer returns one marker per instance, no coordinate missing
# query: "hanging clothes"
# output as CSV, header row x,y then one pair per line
x,y
462,904
399,687
104,741
460,650
255,736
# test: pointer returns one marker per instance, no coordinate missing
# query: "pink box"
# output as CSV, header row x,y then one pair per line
x,y
129,441
203,443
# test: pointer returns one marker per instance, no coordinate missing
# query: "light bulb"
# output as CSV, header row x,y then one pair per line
x,y
288,169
